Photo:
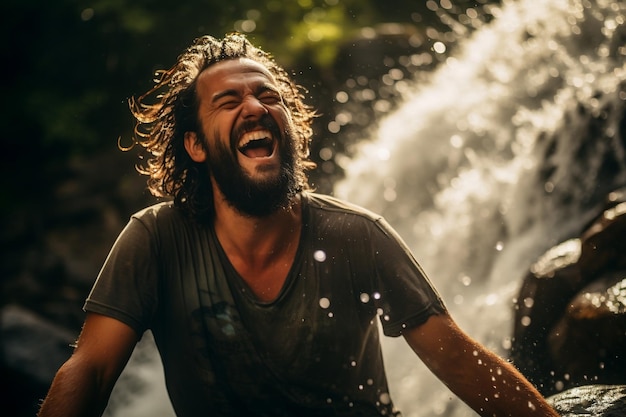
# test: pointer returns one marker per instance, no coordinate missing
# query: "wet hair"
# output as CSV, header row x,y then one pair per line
x,y
161,125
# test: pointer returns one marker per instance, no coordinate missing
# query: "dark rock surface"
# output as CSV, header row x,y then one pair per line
x,y
571,311
589,341
33,348
591,401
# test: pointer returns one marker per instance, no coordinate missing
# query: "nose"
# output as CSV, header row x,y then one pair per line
x,y
252,107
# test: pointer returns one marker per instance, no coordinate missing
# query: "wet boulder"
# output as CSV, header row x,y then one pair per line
x,y
591,400
570,314
589,341
32,349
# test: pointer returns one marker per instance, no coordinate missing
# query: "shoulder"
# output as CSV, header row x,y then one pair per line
x,y
159,214
159,221
157,227
336,216
329,212
328,204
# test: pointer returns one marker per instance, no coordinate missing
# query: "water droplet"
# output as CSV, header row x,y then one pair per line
x,y
319,255
326,154
456,141
364,297
507,343
342,97
376,296
324,302
439,47
384,398
87,14
491,299
465,280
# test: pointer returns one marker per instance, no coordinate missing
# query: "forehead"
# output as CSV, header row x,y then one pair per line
x,y
233,74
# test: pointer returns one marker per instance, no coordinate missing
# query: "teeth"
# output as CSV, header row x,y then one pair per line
x,y
254,135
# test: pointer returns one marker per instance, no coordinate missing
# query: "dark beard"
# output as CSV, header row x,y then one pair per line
x,y
250,197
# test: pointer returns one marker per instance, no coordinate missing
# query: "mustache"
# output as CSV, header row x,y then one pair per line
x,y
266,121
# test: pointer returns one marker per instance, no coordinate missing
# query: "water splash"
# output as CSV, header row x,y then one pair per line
x,y
504,150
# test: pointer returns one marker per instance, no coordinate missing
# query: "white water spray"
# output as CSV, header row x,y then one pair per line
x,y
508,148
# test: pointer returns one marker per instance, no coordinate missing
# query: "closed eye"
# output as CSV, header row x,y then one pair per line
x,y
228,104
269,96
228,99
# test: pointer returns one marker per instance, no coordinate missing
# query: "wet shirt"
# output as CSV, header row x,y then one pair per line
x,y
314,351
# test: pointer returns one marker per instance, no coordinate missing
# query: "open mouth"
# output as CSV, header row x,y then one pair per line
x,y
257,144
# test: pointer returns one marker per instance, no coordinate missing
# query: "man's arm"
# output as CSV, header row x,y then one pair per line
x,y
83,384
483,380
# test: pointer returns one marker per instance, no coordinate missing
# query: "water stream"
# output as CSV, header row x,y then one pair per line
x,y
503,151
506,149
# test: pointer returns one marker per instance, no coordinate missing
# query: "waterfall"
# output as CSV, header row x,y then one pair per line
x,y
507,148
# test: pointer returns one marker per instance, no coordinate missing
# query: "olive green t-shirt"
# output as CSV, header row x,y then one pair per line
x,y
314,351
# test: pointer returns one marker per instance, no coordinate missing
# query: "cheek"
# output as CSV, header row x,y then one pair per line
x,y
283,118
217,130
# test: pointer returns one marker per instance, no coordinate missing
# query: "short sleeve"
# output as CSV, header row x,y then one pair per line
x,y
405,296
127,286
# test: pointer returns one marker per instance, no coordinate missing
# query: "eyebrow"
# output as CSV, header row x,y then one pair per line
x,y
222,94
261,88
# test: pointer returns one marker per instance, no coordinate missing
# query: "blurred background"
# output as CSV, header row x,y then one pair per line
x,y
70,67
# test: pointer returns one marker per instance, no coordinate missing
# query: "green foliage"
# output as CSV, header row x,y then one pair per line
x,y
71,65
81,60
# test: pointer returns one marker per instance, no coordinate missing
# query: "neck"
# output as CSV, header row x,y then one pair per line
x,y
257,239
261,249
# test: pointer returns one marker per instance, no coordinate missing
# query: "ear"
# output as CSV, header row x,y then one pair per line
x,y
194,147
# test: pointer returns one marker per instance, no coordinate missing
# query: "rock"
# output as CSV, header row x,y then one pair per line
x,y
589,342
591,401
32,351
544,296
569,317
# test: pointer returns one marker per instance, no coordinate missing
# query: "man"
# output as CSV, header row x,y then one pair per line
x,y
263,297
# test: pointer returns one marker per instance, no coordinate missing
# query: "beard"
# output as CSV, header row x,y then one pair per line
x,y
254,198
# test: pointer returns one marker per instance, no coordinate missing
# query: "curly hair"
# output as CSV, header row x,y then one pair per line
x,y
160,126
